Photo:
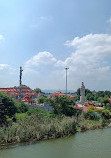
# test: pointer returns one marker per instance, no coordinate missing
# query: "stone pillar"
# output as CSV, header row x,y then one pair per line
x,y
82,93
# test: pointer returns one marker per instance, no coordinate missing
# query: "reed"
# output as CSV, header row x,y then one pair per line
x,y
34,128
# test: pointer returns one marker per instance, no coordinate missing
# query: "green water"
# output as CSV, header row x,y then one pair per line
x,y
90,144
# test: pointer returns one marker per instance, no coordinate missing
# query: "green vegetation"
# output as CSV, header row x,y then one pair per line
x,y
7,108
64,106
21,107
42,99
34,127
38,90
22,124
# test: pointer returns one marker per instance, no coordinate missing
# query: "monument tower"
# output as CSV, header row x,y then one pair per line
x,y
82,93
20,84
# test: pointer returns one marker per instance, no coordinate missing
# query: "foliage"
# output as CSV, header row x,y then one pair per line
x,y
108,107
76,98
21,107
103,100
91,108
42,99
7,108
64,105
85,124
34,127
91,115
104,113
20,116
37,90
86,91
40,112
89,96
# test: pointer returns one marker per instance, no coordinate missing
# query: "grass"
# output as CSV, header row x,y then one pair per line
x,y
36,125
86,124
34,128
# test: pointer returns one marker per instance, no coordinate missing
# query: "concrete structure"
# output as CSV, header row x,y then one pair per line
x,y
82,93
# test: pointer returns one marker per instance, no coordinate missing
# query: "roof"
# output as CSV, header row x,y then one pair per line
x,y
58,93
15,91
71,96
27,99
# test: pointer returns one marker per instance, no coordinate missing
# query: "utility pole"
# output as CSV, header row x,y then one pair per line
x,y
20,88
66,79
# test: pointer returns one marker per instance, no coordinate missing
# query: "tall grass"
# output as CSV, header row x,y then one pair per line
x,y
34,127
87,124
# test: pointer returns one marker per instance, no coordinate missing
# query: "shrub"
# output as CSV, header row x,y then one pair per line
x,y
21,107
91,115
104,113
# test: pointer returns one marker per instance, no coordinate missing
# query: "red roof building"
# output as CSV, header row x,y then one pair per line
x,y
27,99
14,91
58,93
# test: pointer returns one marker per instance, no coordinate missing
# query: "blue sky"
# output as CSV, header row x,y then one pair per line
x,y
44,37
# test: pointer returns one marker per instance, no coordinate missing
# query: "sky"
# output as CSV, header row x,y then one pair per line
x,y
45,36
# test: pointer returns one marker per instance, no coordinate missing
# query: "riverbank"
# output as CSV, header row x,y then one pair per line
x,y
35,128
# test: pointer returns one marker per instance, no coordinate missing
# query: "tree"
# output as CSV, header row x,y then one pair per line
x,y
64,105
42,99
21,107
78,91
86,91
89,96
103,100
7,108
38,90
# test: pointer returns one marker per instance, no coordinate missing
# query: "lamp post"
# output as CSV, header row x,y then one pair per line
x,y
66,79
20,83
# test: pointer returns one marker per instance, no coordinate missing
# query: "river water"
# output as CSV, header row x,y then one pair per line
x,y
90,144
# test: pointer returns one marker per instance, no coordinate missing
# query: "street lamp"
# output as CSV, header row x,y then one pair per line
x,y
66,79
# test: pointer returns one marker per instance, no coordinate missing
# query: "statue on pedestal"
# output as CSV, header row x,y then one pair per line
x,y
82,93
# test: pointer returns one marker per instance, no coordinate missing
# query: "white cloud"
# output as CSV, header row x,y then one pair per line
x,y
90,51
8,76
109,20
45,58
4,66
46,18
29,71
90,58
2,37
88,62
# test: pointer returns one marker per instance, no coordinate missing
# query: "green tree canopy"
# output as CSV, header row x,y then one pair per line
x,y
89,96
7,108
37,90
64,105
42,99
86,91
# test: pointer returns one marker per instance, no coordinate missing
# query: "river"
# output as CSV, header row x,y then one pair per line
x,y
89,144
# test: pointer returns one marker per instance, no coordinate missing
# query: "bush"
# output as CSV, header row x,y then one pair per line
x,y
21,107
91,115
104,113
33,128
